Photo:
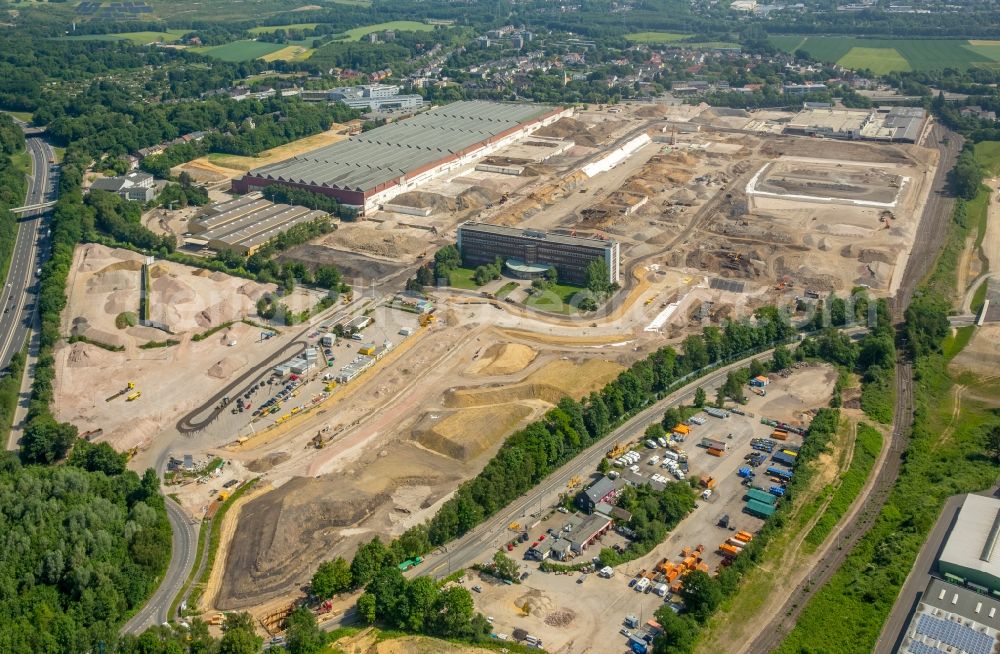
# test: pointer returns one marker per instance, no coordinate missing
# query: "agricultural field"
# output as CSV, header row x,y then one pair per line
x,y
267,29
656,37
888,55
290,53
240,50
878,60
358,33
137,38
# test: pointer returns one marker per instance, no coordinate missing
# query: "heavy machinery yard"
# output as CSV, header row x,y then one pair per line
x,y
713,221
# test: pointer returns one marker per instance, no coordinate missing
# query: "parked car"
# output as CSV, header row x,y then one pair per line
x,y
477,588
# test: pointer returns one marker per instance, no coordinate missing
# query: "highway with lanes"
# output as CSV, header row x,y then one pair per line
x,y
19,294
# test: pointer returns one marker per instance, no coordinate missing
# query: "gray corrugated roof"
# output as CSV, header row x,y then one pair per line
x,y
540,236
386,153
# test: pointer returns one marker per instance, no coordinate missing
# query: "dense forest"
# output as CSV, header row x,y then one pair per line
x,y
12,187
84,545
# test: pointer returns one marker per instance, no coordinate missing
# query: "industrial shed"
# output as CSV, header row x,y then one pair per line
x,y
371,168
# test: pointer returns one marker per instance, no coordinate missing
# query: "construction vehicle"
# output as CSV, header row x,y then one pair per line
x,y
426,319
513,526
217,619
134,395
574,482
129,387
618,450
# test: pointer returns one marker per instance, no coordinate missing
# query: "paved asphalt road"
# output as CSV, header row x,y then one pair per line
x,y
18,296
185,541
917,580
484,539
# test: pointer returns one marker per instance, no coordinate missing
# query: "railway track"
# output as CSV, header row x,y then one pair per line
x,y
933,230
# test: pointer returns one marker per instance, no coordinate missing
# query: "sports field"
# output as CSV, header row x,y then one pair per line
x,y
358,33
240,50
888,55
138,38
655,37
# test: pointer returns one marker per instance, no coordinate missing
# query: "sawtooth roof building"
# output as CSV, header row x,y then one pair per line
x,y
371,168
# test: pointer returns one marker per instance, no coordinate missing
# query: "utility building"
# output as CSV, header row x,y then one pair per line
x,y
971,554
529,253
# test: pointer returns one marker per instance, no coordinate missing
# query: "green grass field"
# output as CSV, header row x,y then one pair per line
x,y
138,38
888,55
558,298
21,161
20,115
878,60
239,50
656,37
267,29
358,33
462,278
988,154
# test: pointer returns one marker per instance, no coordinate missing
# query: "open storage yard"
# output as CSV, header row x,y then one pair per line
x,y
568,615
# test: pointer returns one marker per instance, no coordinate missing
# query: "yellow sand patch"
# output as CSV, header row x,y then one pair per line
x,y
503,359
983,42
233,166
550,384
291,53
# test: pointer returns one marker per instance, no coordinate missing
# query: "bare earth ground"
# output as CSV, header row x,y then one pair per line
x,y
104,283
219,167
367,642
415,450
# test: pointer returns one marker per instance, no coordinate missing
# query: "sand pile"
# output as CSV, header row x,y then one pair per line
x,y
422,200
476,197
503,359
371,642
550,384
265,463
467,433
570,128
107,281
382,241
534,602
225,368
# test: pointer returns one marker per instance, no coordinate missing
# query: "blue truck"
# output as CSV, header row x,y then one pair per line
x,y
777,490
781,473
637,645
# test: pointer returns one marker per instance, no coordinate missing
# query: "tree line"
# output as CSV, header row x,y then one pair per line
x,y
12,187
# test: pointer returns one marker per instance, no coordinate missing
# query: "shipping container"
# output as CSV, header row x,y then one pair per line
x,y
728,550
759,509
760,496
716,413
781,473
711,442
779,435
744,536
714,451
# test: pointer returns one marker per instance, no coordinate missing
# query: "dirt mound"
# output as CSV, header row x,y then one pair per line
x,y
652,111
422,200
265,463
534,602
283,534
504,359
476,197
560,618
569,128
465,434
372,642
225,368
108,281
381,240
549,384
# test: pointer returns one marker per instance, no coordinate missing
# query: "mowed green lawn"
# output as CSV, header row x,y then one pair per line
x,y
239,50
888,55
138,38
655,37
878,60
267,29
358,33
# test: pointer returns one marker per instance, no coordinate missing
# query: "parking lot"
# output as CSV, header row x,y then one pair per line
x,y
275,398
597,607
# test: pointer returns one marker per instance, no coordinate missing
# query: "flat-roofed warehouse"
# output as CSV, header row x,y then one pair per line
x,y
529,253
373,167
971,555
245,225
